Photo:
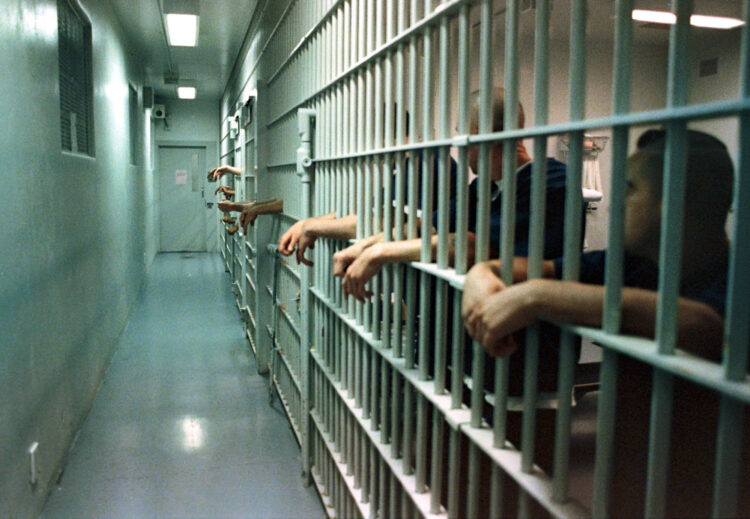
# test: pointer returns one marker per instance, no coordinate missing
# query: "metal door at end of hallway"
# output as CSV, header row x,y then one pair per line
x,y
182,213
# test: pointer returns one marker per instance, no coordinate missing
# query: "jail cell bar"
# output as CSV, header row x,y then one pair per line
x,y
373,393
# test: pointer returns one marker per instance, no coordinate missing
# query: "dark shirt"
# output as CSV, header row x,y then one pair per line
x,y
554,221
421,175
707,286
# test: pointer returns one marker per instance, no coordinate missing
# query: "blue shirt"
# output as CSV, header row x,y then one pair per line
x,y
708,286
554,220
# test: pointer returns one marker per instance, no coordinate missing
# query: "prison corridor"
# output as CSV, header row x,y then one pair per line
x,y
182,426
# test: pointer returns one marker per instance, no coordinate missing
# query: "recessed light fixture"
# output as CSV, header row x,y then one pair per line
x,y
186,92
697,20
182,22
182,30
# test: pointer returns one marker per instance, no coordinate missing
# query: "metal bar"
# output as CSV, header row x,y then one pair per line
x,y
572,245
458,348
436,464
421,464
385,402
509,202
472,494
379,452
729,441
462,201
536,226
670,261
682,364
483,188
408,443
443,157
395,423
715,110
497,492
614,266
454,473
538,485
379,48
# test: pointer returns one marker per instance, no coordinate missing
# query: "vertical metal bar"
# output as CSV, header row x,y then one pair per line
x,y
442,206
370,138
408,428
350,453
304,171
427,203
393,500
398,275
572,245
670,261
396,397
613,274
726,480
436,466
425,288
387,271
483,189
385,401
351,375
366,369
383,487
358,374
536,227
428,172
421,476
458,347
509,146
472,494
375,283
497,492
454,473
374,389
509,203
444,132
411,222
462,206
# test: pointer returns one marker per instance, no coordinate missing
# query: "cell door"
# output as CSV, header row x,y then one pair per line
x,y
182,213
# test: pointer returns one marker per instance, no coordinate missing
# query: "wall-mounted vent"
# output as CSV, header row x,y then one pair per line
x,y
708,67
76,90
171,79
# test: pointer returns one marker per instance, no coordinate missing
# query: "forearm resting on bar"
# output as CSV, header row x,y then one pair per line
x,y
489,320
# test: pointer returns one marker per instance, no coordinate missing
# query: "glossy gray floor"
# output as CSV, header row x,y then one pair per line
x,y
181,426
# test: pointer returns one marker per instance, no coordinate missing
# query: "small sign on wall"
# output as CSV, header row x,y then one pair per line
x,y
180,177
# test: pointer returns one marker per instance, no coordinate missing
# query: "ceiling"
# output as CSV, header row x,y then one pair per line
x,y
222,28
224,24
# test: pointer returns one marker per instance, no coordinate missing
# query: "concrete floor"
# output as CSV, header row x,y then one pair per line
x,y
181,426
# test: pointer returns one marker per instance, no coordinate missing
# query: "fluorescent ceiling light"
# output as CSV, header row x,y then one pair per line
x,y
642,15
715,22
182,29
186,92
697,20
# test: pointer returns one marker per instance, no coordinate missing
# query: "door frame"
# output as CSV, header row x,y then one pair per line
x,y
212,157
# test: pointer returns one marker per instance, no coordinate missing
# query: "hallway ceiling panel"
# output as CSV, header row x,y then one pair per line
x,y
222,28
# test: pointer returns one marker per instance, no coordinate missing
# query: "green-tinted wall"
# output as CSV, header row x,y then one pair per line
x,y
76,241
